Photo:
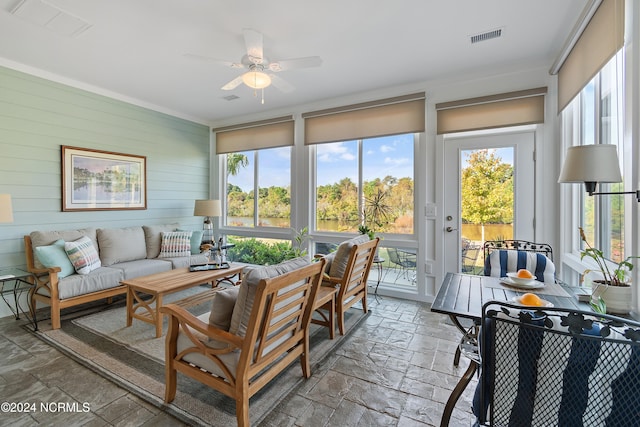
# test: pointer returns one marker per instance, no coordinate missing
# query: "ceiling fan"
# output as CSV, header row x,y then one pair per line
x,y
259,74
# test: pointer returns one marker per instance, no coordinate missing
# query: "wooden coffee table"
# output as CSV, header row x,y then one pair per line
x,y
161,284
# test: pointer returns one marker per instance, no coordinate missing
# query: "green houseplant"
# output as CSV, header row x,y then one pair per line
x,y
611,292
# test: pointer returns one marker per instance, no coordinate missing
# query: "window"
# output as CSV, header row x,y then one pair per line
x,y
258,188
597,114
366,180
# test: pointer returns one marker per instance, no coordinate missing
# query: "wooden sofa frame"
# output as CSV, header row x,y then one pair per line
x,y
46,289
277,334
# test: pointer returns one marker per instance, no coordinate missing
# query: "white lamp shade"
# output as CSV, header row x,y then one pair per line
x,y
207,208
591,163
256,79
6,212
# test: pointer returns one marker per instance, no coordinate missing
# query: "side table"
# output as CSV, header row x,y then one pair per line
x,y
378,261
16,282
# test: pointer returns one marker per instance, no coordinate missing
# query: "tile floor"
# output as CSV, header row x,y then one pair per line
x,y
395,370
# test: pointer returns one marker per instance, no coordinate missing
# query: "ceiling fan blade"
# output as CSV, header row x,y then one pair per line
x,y
233,83
253,42
281,84
288,64
210,59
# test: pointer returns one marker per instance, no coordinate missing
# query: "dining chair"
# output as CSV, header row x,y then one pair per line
x,y
509,256
557,366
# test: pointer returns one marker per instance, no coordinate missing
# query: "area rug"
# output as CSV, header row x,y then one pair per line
x,y
134,359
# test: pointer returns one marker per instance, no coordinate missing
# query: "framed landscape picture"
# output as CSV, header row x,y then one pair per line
x,y
94,180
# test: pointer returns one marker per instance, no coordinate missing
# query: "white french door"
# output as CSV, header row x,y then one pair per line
x,y
515,148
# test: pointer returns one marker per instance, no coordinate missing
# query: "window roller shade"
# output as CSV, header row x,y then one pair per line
x,y
390,116
255,136
508,109
598,43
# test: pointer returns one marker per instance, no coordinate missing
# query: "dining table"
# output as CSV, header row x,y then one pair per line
x,y
462,296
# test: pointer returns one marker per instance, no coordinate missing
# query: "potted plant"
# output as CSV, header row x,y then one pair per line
x,y
376,214
611,292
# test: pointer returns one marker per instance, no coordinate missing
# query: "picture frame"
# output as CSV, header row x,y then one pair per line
x,y
96,180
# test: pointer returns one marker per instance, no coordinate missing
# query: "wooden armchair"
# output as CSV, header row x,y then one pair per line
x,y
341,291
240,365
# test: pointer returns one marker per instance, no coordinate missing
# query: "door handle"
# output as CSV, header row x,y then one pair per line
x,y
450,229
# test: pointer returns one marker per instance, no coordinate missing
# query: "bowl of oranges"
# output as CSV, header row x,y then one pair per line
x,y
522,277
532,300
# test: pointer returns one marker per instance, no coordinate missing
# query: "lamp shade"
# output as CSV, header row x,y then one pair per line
x,y
591,163
6,212
207,208
256,79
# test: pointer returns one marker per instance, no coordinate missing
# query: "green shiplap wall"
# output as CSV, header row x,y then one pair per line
x,y
37,116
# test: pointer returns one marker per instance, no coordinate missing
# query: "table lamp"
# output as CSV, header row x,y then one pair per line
x,y
592,164
6,212
208,209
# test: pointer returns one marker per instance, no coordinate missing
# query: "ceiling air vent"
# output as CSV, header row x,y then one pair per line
x,y
486,36
231,97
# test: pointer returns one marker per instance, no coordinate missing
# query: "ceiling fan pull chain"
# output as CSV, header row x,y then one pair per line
x,y
263,96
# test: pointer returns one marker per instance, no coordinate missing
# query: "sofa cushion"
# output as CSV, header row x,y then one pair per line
x,y
222,306
248,288
121,244
339,263
83,255
186,261
54,255
142,267
175,244
81,284
44,238
153,239
196,240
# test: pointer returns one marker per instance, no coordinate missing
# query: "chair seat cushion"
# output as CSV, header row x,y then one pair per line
x,y
501,262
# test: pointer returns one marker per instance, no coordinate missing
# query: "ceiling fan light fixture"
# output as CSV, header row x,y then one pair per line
x,y
256,79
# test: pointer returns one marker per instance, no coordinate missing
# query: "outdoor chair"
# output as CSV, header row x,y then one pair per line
x,y
346,279
557,367
470,252
402,261
253,333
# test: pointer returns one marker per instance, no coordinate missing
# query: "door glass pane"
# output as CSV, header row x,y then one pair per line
x,y
487,196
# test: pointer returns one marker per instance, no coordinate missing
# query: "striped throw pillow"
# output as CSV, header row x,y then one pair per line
x,y
175,244
83,255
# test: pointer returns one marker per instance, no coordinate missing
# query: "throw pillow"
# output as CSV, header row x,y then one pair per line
x,y
153,239
222,307
175,244
54,256
249,287
196,241
83,255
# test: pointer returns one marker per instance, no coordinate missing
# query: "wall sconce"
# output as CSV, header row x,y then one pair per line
x,y
592,164
207,209
6,212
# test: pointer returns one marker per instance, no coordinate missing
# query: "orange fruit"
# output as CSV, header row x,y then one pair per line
x,y
524,274
531,299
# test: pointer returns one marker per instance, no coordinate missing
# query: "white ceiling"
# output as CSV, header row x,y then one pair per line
x,y
134,49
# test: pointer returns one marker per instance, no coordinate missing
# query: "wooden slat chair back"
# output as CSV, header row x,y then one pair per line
x,y
351,287
277,335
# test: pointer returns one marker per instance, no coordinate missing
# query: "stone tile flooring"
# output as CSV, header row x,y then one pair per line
x,y
395,370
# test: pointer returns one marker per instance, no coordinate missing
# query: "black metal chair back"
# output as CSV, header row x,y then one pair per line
x,y
519,245
551,366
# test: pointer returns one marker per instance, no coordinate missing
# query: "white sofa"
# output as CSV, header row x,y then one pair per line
x,y
123,253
